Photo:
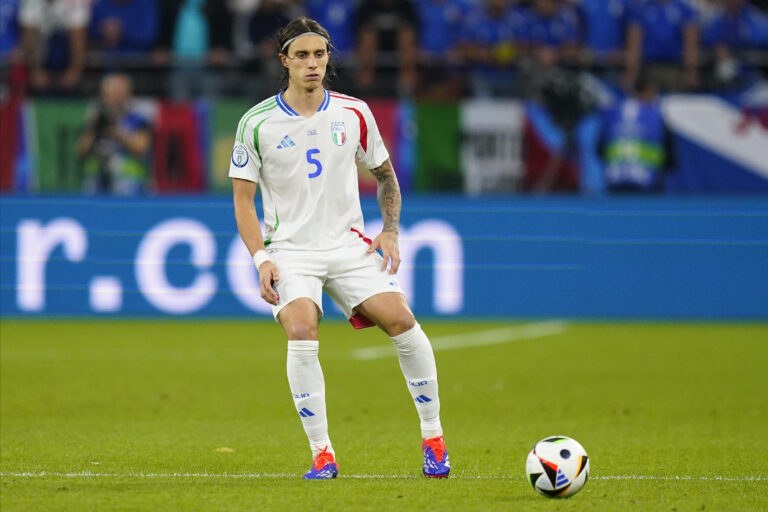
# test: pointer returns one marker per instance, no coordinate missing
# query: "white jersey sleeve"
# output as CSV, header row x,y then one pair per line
x,y
246,160
371,152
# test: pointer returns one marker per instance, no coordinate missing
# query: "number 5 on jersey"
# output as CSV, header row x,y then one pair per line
x,y
316,163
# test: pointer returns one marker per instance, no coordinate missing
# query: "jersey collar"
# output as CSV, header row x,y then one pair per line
x,y
288,110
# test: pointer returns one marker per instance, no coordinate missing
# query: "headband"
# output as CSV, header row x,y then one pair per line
x,y
285,45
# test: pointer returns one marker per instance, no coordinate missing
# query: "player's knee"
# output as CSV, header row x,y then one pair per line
x,y
400,322
301,331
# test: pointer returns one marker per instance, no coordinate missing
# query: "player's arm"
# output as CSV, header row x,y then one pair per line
x,y
388,195
244,192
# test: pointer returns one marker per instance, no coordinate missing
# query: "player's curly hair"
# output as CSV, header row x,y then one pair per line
x,y
301,26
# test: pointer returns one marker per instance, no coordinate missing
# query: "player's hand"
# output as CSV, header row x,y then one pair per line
x,y
386,242
268,277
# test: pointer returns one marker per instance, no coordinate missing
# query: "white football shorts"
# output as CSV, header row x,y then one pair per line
x,y
349,276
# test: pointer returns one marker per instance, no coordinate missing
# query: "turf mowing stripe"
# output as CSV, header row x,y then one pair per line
x,y
476,339
88,474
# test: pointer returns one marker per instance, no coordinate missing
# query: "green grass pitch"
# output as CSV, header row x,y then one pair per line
x,y
107,415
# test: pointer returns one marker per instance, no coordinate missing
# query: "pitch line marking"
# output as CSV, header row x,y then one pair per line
x,y
89,474
475,339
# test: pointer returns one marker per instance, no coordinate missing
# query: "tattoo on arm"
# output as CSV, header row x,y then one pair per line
x,y
388,195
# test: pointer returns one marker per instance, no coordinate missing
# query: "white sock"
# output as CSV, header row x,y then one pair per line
x,y
418,364
305,377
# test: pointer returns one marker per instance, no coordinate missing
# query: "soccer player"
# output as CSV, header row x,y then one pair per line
x,y
300,146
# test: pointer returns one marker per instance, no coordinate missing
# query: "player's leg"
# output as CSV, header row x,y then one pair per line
x,y
367,296
391,313
298,311
305,377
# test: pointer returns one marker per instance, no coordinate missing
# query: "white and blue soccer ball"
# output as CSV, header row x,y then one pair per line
x,y
557,467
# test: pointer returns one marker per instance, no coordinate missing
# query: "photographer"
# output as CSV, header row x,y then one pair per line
x,y
115,143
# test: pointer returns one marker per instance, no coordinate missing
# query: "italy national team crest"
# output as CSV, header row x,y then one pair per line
x,y
339,133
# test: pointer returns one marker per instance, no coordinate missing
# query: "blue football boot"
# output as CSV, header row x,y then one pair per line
x,y
324,467
436,462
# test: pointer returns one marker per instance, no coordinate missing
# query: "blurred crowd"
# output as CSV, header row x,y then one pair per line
x,y
559,54
433,48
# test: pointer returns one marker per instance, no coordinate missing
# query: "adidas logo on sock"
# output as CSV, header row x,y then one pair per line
x,y
306,413
422,399
287,142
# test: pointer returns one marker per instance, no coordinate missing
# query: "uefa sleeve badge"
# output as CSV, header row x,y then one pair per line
x,y
239,155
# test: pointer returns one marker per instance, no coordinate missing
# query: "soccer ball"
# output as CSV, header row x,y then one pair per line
x,y
557,467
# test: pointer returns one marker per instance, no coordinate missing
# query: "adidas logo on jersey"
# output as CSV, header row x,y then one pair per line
x,y
287,142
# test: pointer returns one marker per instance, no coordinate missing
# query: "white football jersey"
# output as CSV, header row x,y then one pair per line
x,y
306,168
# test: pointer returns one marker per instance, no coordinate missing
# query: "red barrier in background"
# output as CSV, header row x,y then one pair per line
x,y
9,127
178,157
386,115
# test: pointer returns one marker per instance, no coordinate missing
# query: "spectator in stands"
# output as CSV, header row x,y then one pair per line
x,y
338,17
635,144
603,25
265,22
54,40
125,27
115,143
387,47
242,10
440,23
553,33
705,10
491,41
736,28
196,41
663,37
10,41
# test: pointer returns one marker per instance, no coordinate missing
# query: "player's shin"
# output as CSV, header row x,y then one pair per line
x,y
418,365
305,377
